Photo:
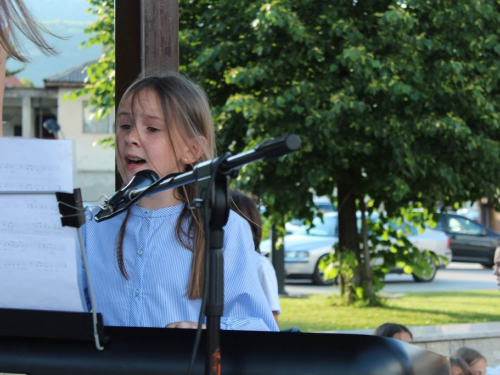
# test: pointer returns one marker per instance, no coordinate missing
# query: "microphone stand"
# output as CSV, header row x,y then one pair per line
x,y
214,207
213,177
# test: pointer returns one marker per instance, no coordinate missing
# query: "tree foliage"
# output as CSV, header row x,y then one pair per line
x,y
9,73
398,101
100,82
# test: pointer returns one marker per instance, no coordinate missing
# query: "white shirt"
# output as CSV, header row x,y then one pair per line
x,y
493,370
269,282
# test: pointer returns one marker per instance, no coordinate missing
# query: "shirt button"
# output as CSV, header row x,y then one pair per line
x,y
140,252
136,292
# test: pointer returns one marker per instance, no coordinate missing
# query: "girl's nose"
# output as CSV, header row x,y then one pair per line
x,y
132,137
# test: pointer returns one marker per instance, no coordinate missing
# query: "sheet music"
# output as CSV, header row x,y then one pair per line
x,y
39,264
36,165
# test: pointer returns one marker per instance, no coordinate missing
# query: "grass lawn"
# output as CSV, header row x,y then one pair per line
x,y
319,313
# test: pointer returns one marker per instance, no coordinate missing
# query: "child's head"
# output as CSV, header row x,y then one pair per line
x,y
475,360
163,124
395,331
459,366
247,207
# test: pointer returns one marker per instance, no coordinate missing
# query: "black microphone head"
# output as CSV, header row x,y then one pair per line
x,y
121,198
142,179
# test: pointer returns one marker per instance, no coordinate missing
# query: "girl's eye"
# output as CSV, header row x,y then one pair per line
x,y
125,127
153,130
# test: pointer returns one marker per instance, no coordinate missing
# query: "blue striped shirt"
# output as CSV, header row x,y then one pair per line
x,y
159,266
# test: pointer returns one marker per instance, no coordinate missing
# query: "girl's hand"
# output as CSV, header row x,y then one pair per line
x,y
188,325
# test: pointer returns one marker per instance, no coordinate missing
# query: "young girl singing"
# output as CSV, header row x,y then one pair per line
x,y
147,264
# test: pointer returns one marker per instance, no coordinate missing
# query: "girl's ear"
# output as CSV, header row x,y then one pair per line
x,y
194,150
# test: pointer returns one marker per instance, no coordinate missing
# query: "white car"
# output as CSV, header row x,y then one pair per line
x,y
304,249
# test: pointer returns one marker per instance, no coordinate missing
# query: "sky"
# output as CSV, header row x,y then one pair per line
x,y
66,18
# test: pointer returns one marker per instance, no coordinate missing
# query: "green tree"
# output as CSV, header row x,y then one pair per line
x,y
27,83
9,73
100,83
393,100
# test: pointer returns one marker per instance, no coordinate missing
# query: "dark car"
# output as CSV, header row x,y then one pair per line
x,y
470,241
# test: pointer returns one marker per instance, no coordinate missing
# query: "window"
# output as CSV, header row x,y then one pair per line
x,y
92,125
463,225
325,228
407,228
439,225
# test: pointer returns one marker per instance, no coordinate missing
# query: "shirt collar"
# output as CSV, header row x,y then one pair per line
x,y
148,213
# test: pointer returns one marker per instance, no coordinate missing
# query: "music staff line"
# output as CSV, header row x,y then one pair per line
x,y
37,266
28,167
38,227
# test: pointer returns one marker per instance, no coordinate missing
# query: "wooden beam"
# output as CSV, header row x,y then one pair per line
x,y
160,36
127,45
146,40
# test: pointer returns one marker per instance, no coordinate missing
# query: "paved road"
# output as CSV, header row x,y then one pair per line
x,y
458,276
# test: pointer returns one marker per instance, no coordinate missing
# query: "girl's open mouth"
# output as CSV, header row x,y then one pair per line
x,y
134,162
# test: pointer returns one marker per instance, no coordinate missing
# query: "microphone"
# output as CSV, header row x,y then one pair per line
x,y
140,180
147,182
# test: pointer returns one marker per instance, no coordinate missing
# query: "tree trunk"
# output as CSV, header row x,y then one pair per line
x,y
348,236
278,259
364,233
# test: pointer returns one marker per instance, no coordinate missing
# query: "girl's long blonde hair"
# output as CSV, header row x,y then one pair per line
x,y
186,106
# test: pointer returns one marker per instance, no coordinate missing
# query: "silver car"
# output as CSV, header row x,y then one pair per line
x,y
306,247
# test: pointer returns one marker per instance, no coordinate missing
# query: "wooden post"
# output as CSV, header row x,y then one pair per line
x,y
160,36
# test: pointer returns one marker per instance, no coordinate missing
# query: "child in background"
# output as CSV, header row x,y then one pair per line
x,y
147,265
248,209
395,331
459,367
475,360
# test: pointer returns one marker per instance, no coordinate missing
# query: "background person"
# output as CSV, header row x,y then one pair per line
x,y
496,266
395,331
475,360
248,208
459,367
16,19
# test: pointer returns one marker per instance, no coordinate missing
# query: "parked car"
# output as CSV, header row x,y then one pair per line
x,y
306,247
470,241
322,203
